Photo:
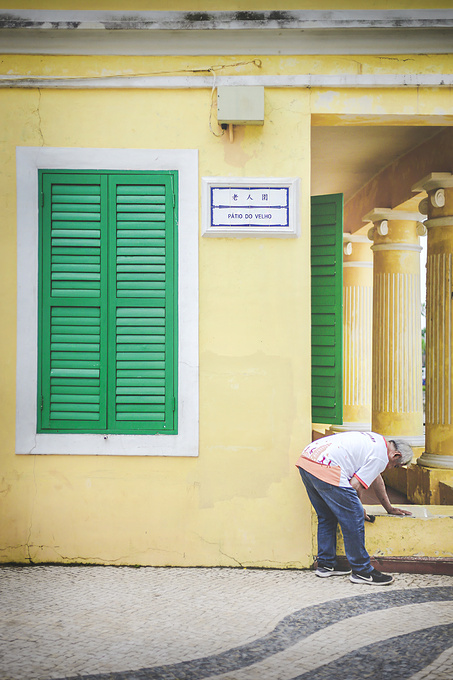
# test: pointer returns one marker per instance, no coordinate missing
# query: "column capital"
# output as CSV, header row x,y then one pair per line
x,y
438,205
435,180
356,245
408,226
379,214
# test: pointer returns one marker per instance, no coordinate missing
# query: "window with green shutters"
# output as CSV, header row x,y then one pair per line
x,y
107,302
327,308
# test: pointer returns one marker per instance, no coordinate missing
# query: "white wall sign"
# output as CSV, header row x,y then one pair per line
x,y
250,206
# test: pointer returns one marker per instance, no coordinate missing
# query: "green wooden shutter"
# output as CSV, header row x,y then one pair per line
x,y
327,310
142,304
72,357
108,303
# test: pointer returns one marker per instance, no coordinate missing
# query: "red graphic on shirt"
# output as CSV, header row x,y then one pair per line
x,y
315,452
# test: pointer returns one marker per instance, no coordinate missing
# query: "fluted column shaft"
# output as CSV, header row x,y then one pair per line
x,y
397,405
357,325
439,320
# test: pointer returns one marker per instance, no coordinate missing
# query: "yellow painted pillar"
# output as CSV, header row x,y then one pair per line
x,y
357,325
439,320
397,405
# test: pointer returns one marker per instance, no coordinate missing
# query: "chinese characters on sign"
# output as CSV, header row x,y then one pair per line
x,y
249,207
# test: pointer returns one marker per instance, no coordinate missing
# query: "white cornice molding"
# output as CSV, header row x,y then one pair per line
x,y
309,81
229,20
210,33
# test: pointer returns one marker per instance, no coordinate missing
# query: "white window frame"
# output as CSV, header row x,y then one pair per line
x,y
28,161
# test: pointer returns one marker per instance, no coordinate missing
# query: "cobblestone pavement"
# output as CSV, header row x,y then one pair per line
x,y
119,623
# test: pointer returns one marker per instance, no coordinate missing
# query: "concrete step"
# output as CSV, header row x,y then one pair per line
x,y
421,543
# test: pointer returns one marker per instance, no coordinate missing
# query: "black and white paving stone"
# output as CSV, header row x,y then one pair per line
x,y
107,623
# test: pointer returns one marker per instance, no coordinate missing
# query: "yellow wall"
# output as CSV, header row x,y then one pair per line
x,y
241,501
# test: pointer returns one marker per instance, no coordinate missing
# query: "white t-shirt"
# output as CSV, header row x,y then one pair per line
x,y
344,455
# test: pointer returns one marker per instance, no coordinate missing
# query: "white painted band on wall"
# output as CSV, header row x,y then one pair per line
x,y
168,82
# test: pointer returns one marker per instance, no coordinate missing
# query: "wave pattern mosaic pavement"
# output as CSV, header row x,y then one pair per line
x,y
88,623
392,659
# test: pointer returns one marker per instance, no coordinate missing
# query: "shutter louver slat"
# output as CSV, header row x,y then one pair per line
x,y
75,234
75,375
150,365
140,248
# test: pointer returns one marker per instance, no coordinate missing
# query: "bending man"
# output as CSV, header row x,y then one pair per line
x,y
335,471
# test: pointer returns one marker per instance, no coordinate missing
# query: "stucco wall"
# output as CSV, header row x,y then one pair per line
x,y
240,501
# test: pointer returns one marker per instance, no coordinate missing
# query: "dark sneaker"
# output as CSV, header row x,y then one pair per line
x,y
373,578
325,572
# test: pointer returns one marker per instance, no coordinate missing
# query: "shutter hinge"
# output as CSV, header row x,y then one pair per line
x,y
42,199
42,402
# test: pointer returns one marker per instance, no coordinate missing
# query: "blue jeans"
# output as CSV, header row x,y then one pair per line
x,y
338,505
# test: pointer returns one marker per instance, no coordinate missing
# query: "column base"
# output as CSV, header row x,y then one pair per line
x,y
415,441
350,427
433,460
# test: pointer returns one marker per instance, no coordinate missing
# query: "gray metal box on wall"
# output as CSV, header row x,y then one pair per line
x,y
240,105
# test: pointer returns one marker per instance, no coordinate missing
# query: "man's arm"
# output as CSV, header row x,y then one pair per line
x,y
378,487
357,486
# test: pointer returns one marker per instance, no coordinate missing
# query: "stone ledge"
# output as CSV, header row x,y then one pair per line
x,y
409,565
421,543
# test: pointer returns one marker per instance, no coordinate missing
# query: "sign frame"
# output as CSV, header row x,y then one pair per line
x,y
215,213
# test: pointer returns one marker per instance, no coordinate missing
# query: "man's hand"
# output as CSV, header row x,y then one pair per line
x,y
378,487
398,511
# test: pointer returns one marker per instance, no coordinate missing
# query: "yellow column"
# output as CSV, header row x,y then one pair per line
x,y
439,320
397,406
357,324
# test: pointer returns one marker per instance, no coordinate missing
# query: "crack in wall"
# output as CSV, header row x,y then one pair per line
x,y
230,557
38,113
28,543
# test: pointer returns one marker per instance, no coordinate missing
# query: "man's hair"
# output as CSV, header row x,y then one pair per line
x,y
404,449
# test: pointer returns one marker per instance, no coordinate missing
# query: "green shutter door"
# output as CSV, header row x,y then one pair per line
x,y
327,311
142,291
73,320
